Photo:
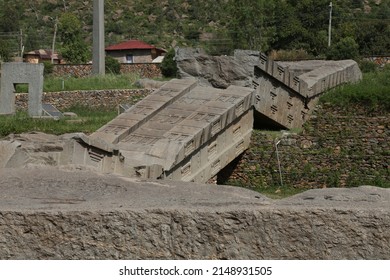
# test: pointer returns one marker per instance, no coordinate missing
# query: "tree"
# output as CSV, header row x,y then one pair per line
x,y
247,24
5,51
168,65
73,49
346,48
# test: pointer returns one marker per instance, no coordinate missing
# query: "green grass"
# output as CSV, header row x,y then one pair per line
x,y
88,121
109,81
373,92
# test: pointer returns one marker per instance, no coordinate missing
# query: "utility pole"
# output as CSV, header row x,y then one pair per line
x,y
21,44
54,40
98,53
330,24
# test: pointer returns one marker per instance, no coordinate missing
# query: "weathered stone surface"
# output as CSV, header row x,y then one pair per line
x,y
182,131
149,83
286,92
32,149
216,71
53,214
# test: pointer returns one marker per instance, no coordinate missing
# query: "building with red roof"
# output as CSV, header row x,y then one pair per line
x,y
39,56
134,51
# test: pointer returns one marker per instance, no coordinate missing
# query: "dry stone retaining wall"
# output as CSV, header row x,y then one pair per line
x,y
93,98
145,70
337,148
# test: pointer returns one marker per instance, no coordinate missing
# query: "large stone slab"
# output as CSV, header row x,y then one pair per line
x,y
69,214
182,131
287,92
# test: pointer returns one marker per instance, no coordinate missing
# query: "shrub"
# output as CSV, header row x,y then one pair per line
x,y
367,66
168,65
48,68
346,48
112,65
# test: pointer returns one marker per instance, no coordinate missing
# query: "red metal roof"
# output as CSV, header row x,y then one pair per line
x,y
130,45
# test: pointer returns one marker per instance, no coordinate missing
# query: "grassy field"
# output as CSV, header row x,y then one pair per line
x,y
109,81
373,92
88,121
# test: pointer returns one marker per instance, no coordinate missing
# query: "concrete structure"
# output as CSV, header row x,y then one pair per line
x,y
182,132
98,56
287,92
21,73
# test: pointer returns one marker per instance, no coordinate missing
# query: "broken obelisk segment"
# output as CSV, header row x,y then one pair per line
x,y
182,131
287,92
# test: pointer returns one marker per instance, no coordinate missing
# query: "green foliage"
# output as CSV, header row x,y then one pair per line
x,y
373,92
73,49
5,51
90,121
10,15
220,26
168,65
346,48
367,66
112,65
54,84
48,68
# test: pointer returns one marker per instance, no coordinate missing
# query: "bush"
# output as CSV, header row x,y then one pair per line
x,y
5,51
48,68
168,65
112,65
346,48
367,66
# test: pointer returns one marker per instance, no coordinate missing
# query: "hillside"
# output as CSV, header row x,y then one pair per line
x,y
219,25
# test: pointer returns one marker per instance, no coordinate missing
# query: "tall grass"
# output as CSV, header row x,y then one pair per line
x,y
373,92
109,81
88,121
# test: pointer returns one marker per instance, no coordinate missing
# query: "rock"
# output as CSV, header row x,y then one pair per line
x,y
34,148
149,83
73,214
216,71
70,115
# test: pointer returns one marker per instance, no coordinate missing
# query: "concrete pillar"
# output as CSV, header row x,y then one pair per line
x,y
98,56
21,73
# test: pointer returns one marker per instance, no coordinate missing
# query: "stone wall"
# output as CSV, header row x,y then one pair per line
x,y
92,99
337,148
145,70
